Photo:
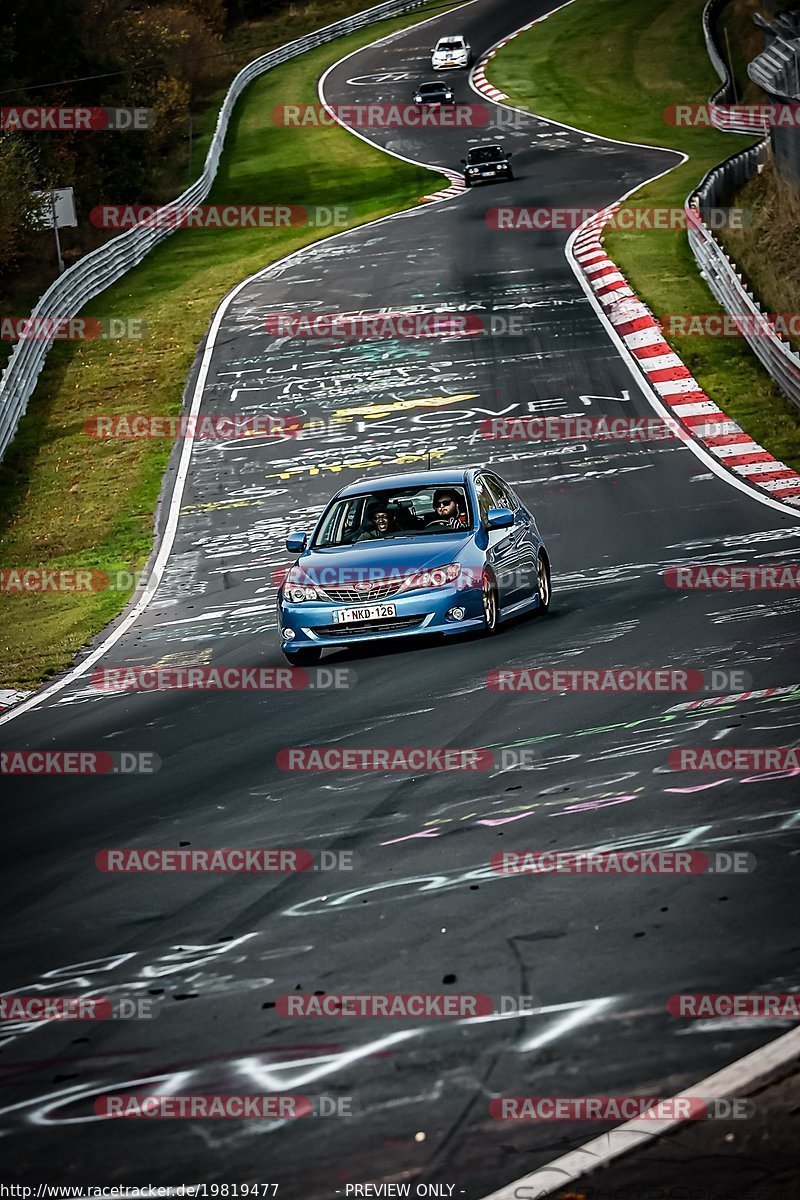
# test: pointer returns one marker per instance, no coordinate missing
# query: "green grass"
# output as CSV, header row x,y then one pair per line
x,y
644,58
67,500
20,291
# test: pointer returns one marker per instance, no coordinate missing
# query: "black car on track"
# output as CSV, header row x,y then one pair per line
x,y
434,93
486,163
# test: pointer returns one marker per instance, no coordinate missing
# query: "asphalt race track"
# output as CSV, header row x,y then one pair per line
x,y
421,910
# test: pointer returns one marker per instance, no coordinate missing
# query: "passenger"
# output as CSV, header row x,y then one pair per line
x,y
382,523
447,510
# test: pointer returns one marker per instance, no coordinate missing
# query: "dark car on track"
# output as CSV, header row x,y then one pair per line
x,y
486,163
442,552
434,93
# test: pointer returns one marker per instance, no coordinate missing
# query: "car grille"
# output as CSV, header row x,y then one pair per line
x,y
387,625
376,590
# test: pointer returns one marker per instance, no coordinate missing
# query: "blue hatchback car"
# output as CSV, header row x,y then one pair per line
x,y
436,552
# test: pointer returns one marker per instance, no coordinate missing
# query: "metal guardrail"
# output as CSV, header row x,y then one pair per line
x,y
725,113
724,279
719,271
105,265
777,69
777,72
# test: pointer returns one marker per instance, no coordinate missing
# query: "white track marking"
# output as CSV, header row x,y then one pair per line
x,y
730,1081
170,530
456,183
593,254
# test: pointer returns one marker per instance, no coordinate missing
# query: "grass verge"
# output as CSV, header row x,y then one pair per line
x,y
768,251
242,43
68,501
643,60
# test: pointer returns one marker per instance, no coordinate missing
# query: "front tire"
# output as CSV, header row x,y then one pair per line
x,y
309,656
543,583
491,605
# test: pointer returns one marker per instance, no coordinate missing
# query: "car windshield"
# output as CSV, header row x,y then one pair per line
x,y
484,154
450,46
431,89
403,512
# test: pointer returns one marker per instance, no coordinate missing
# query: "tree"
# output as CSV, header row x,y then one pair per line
x,y
19,209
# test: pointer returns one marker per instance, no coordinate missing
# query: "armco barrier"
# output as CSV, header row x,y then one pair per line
x,y
720,272
104,266
723,278
725,114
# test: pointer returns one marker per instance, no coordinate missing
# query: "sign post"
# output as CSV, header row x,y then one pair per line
x,y
61,214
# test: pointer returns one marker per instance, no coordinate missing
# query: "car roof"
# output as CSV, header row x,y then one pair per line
x,y
416,479
439,84
486,146
452,37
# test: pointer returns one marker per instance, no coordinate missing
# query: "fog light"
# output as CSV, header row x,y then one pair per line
x,y
456,614
287,634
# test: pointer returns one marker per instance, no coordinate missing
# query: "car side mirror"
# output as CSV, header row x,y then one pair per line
x,y
509,154
296,542
499,518
464,161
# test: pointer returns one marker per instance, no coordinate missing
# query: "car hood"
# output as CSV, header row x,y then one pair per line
x,y
394,556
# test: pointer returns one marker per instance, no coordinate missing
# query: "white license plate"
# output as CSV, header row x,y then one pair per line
x,y
375,612
488,172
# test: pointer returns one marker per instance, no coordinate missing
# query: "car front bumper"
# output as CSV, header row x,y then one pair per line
x,y
450,66
417,613
500,172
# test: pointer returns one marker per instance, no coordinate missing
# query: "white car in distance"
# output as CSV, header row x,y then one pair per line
x,y
451,52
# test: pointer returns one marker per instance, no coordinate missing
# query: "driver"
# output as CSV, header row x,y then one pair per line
x,y
382,522
447,509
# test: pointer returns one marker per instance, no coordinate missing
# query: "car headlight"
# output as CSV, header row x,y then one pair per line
x,y
298,594
435,578
473,170
298,588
